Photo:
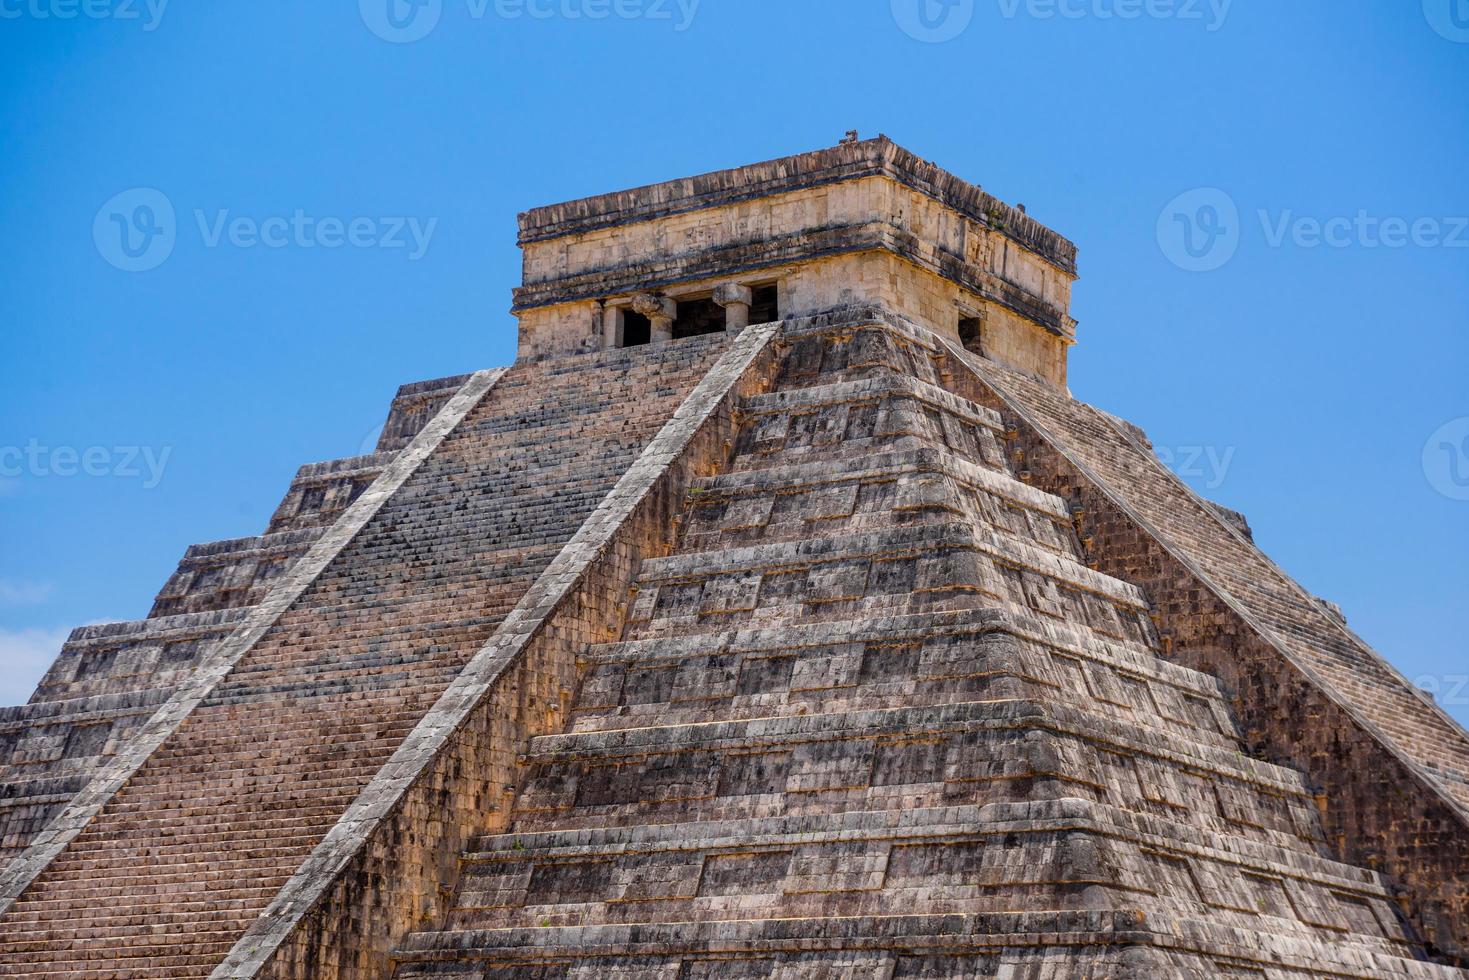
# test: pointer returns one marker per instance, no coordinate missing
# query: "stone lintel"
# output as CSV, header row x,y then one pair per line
x,y
768,255
846,162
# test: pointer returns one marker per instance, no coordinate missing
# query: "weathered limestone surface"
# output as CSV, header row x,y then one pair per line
x,y
861,222
248,767
413,407
110,679
1312,694
397,848
839,643
882,714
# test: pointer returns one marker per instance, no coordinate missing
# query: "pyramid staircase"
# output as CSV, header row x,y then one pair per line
x,y
876,717
184,855
110,678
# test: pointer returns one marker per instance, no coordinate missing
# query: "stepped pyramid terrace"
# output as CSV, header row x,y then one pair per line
x,y
777,614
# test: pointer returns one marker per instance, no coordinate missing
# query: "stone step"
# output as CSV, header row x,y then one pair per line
x,y
50,750
819,349
1044,945
887,465
869,495
774,750
954,754
799,401
231,574
955,859
278,811
892,545
54,738
925,722
30,930
1072,641
27,806
239,794
861,665
357,674
116,658
131,956
846,948
1055,815
40,791
321,492
82,709
413,407
885,413
898,571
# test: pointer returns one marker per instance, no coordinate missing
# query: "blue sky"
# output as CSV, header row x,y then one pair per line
x,y
1264,196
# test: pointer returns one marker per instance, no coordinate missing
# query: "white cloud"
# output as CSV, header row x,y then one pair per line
x,y
25,655
13,593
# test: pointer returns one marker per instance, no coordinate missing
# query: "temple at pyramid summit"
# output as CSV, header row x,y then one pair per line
x,y
777,614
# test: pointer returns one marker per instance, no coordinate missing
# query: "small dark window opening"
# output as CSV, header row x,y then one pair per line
x,y
765,305
971,334
637,329
697,317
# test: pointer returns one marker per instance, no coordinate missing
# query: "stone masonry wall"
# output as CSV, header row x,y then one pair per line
x,y
109,679
779,220
457,776
1381,811
875,717
221,814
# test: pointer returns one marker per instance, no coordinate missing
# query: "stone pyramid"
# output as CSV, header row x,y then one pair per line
x,y
777,615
